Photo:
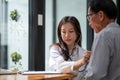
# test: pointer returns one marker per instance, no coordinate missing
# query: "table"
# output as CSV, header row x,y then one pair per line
x,y
37,77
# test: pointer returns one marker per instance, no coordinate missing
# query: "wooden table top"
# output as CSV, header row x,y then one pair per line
x,y
37,77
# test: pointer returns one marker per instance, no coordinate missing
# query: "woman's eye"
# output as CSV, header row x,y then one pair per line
x,y
71,31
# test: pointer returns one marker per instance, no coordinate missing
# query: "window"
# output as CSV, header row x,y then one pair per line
x,y
13,32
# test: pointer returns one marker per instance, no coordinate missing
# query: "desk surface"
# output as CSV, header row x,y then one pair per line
x,y
37,77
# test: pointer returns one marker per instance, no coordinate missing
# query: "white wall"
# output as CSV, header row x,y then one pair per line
x,y
75,8
48,30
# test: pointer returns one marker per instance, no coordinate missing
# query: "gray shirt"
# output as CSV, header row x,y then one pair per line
x,y
104,62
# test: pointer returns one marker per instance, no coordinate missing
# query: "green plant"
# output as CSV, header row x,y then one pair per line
x,y
14,15
6,0
16,57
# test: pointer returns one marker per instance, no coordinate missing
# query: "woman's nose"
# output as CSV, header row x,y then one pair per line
x,y
67,35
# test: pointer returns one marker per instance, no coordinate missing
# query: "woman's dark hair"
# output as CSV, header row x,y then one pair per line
x,y
107,6
72,20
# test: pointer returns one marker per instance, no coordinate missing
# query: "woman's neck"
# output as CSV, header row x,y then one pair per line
x,y
70,47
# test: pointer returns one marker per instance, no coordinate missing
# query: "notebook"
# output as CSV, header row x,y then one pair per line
x,y
4,72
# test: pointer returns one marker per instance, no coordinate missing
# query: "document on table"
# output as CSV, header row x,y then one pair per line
x,y
39,72
7,72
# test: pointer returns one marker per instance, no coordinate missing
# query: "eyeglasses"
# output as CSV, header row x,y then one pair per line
x,y
88,16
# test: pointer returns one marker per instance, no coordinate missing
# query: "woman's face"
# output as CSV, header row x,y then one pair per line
x,y
68,34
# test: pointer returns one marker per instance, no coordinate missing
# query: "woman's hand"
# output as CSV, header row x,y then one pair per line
x,y
86,57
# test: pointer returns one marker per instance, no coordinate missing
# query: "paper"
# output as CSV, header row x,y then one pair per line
x,y
39,72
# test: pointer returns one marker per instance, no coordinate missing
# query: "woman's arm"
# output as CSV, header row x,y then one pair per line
x,y
57,62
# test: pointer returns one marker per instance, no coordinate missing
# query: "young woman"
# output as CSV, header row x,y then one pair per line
x,y
67,55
